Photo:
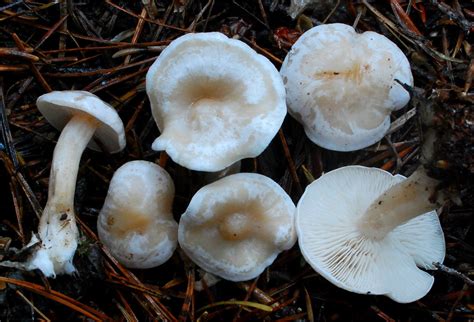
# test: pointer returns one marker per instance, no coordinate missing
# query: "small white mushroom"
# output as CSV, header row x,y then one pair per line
x,y
81,116
367,231
136,222
342,85
215,101
236,226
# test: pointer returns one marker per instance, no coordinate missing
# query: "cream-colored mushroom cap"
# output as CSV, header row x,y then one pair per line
x,y
341,85
215,101
136,222
334,243
236,226
59,107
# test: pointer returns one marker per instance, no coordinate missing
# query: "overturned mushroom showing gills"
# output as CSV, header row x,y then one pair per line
x,y
215,101
367,231
342,86
136,222
236,226
81,116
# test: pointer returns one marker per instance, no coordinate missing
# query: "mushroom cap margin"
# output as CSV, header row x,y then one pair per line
x,y
58,107
215,147
200,213
332,73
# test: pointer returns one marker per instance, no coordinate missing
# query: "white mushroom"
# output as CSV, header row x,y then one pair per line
x,y
236,226
342,86
367,231
81,116
215,101
136,222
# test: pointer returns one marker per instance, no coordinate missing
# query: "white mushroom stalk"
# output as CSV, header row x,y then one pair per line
x,y
406,200
82,115
57,229
65,165
367,231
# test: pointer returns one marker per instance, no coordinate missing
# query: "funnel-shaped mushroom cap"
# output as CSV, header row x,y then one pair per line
x,y
330,241
60,106
235,227
136,222
215,101
342,86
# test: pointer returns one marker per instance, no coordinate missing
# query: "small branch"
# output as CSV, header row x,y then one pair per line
x,y
452,271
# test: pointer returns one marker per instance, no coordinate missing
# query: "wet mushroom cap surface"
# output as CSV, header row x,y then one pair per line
x,y
235,227
331,242
341,85
215,101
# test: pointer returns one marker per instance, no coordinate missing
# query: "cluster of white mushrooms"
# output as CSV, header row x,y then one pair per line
x,y
361,228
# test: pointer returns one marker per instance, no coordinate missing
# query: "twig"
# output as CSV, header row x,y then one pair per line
x,y
398,159
309,306
433,53
32,305
250,289
452,14
126,310
237,4
18,210
263,13
18,54
5,130
60,298
146,19
456,303
198,17
453,272
51,31
291,163
34,69
401,121
187,310
264,51
332,11
137,33
381,314
19,13
469,76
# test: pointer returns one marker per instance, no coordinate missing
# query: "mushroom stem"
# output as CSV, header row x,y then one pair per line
x,y
404,201
57,229
66,157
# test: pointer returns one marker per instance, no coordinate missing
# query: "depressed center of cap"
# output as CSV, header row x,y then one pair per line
x,y
215,101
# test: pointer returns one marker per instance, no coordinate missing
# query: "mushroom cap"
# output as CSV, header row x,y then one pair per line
x,y
342,86
332,244
236,226
136,222
59,107
215,101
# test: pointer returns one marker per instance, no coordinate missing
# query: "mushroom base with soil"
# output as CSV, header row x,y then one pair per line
x,y
57,231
